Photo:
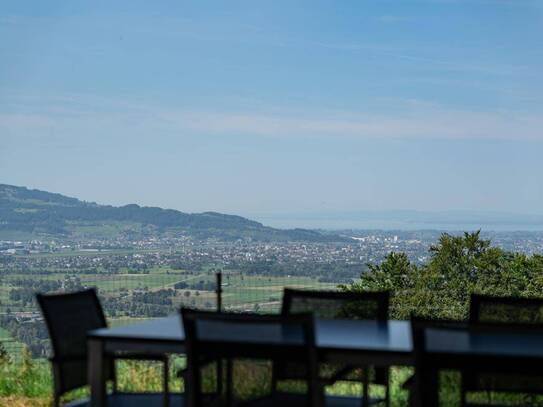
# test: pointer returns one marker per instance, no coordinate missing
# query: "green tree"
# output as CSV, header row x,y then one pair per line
x,y
457,267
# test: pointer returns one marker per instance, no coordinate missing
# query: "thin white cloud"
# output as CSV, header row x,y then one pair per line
x,y
411,120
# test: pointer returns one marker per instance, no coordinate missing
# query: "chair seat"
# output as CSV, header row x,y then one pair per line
x,y
134,400
298,400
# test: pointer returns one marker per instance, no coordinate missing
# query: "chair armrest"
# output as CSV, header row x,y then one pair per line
x,y
56,359
409,383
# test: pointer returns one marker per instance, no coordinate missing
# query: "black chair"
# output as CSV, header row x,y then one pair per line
x,y
423,385
68,318
339,305
235,337
510,314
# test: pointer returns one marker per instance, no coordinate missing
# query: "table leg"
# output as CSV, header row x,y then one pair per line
x,y
431,384
96,365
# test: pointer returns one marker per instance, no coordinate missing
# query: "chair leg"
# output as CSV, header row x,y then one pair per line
x,y
387,387
166,389
365,387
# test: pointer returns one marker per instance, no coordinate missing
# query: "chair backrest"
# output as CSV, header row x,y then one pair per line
x,y
337,304
425,384
506,310
510,314
211,335
68,318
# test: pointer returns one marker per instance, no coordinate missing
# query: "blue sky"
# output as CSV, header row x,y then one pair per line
x,y
253,107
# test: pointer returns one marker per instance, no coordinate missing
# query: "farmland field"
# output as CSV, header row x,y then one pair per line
x,y
135,295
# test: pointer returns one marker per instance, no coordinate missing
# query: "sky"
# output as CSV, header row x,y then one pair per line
x,y
273,107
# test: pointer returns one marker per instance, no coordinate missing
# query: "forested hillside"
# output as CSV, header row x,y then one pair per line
x,y
38,213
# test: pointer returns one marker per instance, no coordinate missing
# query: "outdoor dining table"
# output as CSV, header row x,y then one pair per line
x,y
356,342
362,343
491,349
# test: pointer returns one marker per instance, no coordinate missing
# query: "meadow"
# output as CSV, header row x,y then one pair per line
x,y
162,287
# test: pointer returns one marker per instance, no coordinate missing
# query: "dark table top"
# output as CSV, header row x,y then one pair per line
x,y
390,336
498,343
347,336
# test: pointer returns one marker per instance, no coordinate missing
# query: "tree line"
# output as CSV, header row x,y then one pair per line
x,y
457,267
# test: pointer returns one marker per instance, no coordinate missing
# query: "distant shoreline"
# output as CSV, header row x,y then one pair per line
x,y
343,224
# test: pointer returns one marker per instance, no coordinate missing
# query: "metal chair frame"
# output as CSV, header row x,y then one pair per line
x,y
58,360
381,299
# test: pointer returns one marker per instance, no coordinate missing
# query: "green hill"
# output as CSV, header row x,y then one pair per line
x,y
33,213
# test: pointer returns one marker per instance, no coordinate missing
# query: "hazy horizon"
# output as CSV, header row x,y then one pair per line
x,y
276,108
398,219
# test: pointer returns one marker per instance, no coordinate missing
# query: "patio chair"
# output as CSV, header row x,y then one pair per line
x,y
420,385
68,318
254,339
511,314
423,385
339,305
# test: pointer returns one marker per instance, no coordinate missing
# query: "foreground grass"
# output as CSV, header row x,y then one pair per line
x,y
27,382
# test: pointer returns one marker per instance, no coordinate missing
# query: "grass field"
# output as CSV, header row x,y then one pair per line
x,y
12,346
240,292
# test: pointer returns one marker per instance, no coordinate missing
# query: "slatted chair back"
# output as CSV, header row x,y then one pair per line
x,y
227,336
337,304
68,317
508,313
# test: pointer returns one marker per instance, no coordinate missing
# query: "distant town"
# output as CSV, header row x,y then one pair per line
x,y
112,255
